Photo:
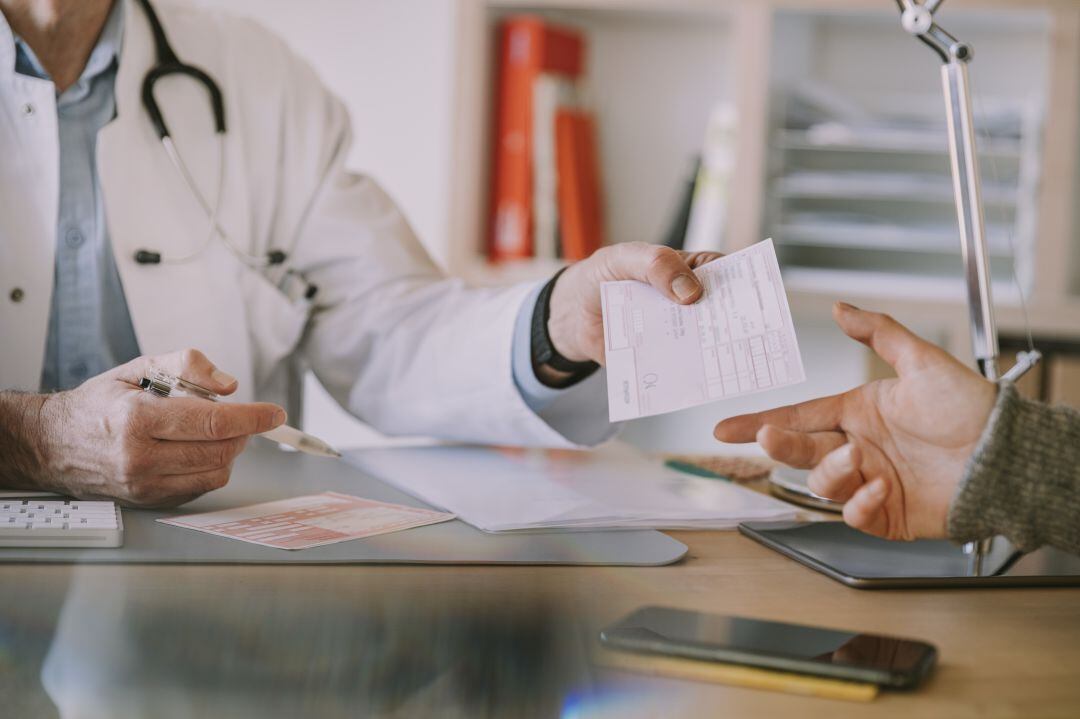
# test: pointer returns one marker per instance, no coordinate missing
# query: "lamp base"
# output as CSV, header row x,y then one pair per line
x,y
865,562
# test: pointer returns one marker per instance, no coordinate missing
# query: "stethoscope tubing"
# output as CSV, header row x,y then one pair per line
x,y
169,64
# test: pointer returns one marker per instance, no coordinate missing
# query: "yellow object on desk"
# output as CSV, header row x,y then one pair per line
x,y
732,674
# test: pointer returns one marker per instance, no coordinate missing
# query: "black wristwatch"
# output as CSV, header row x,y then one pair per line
x,y
544,352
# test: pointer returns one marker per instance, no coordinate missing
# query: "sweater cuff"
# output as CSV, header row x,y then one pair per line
x,y
997,494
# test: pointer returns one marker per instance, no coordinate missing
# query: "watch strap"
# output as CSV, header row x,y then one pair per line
x,y
543,350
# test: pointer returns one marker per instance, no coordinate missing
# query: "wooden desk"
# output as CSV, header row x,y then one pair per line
x,y
1004,653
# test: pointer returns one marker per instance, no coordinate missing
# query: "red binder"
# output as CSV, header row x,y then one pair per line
x,y
589,168
580,210
528,46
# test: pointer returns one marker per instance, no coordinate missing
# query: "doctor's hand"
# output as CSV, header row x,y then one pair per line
x,y
576,324
109,439
894,450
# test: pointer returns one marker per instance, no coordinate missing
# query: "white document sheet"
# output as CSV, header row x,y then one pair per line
x,y
499,490
738,339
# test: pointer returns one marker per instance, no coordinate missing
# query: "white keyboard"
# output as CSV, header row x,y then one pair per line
x,y
42,523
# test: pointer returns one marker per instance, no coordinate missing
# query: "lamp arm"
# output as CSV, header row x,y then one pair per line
x,y
967,187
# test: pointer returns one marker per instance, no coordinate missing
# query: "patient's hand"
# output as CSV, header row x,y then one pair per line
x,y
109,439
893,449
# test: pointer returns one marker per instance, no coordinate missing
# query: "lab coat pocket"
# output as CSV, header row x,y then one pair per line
x,y
275,324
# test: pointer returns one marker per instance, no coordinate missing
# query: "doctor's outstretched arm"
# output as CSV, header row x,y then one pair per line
x,y
108,439
414,352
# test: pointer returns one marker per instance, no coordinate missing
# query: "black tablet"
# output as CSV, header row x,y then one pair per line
x,y
866,562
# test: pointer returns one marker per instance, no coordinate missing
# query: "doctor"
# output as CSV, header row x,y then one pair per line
x,y
109,264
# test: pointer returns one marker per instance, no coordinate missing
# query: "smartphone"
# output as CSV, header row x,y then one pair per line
x,y
870,658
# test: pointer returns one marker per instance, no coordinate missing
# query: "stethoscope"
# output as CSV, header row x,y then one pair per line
x,y
292,282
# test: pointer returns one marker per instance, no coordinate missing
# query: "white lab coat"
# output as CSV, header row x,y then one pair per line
x,y
396,343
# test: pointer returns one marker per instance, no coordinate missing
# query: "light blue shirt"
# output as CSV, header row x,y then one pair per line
x,y
90,328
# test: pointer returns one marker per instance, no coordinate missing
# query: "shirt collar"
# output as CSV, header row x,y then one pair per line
x,y
105,52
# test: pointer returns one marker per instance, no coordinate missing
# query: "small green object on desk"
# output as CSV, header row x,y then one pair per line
x,y
694,469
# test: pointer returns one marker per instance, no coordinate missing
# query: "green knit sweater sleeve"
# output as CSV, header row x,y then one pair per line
x,y
1023,480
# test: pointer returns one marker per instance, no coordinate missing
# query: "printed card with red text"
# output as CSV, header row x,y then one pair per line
x,y
310,521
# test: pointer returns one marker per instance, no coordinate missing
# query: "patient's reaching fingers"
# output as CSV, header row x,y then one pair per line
x,y
838,476
902,349
797,449
866,508
817,415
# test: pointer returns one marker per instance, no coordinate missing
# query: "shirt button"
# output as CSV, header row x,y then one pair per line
x,y
74,238
28,109
17,294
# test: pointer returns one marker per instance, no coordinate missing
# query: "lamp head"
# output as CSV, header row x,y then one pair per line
x,y
916,19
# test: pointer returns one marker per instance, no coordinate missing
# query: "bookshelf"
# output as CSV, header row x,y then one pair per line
x,y
860,185
654,73
656,67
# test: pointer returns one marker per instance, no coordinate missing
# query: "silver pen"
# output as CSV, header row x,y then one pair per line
x,y
166,385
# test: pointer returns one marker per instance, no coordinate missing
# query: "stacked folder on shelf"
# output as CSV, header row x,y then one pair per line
x,y
500,490
545,195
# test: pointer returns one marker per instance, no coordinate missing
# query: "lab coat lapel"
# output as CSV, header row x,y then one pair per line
x,y
172,305
29,197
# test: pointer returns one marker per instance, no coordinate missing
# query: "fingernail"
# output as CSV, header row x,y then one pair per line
x,y
222,378
877,488
279,417
846,306
684,287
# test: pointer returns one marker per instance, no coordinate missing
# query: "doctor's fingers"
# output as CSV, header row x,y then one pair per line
x,y
190,364
172,490
839,475
817,415
191,419
697,259
798,449
662,267
172,458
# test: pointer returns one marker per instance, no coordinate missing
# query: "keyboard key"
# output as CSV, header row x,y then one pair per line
x,y
95,523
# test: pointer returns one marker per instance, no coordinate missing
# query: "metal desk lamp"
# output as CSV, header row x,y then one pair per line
x,y
918,20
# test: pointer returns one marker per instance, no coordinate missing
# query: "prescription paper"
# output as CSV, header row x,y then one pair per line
x,y
737,340
309,521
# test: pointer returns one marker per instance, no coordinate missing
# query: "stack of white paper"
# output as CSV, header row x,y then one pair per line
x,y
500,490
